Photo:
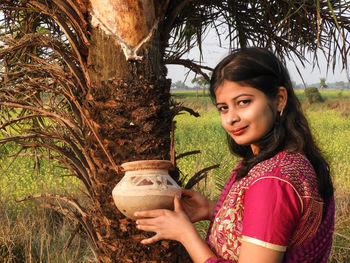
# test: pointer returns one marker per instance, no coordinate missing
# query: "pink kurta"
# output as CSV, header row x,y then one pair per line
x,y
277,206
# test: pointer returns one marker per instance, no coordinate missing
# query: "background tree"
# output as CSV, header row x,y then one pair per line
x,y
323,84
179,85
340,84
313,95
200,81
83,83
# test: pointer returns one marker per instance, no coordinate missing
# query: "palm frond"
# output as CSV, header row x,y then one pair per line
x,y
287,27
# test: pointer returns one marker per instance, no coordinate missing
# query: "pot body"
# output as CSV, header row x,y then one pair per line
x,y
146,185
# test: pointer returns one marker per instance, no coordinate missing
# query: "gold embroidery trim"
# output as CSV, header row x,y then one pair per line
x,y
264,244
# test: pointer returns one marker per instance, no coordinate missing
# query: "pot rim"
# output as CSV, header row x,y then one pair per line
x,y
147,164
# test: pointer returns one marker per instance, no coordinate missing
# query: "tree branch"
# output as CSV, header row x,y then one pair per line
x,y
173,11
191,65
41,40
71,237
91,233
68,200
198,176
67,165
52,115
64,153
177,109
77,23
186,154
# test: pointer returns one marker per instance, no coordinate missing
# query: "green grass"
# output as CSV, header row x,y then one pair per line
x,y
22,176
332,132
29,233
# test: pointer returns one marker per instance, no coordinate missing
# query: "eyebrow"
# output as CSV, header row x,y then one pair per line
x,y
240,95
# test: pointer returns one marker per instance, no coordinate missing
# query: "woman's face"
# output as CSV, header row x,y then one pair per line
x,y
246,113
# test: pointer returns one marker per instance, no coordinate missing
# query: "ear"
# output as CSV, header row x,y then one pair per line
x,y
281,98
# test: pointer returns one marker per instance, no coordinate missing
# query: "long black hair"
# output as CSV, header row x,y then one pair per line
x,y
261,69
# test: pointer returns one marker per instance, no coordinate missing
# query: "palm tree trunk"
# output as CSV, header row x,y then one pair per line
x,y
128,103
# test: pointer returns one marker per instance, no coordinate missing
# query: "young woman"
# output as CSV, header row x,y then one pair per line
x,y
278,204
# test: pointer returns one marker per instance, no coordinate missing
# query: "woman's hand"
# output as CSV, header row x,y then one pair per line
x,y
173,225
197,206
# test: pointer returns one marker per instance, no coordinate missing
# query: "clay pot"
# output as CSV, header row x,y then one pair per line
x,y
146,185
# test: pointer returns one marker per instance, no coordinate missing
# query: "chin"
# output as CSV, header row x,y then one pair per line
x,y
242,143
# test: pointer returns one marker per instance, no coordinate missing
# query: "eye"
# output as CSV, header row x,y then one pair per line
x,y
222,108
243,102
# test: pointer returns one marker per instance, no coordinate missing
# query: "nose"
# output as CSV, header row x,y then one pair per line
x,y
232,117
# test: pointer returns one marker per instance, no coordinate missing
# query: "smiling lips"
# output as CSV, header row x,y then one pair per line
x,y
239,131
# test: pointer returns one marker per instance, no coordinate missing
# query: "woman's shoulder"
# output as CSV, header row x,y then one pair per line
x,y
293,168
280,160
285,161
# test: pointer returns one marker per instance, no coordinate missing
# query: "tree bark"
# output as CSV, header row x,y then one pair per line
x,y
128,104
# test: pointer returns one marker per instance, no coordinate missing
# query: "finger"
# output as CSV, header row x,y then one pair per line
x,y
147,228
149,213
178,194
147,222
177,204
150,240
187,193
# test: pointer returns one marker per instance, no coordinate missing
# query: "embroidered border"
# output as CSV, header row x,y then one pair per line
x,y
264,243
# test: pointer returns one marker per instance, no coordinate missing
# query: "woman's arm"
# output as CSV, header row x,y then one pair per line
x,y
176,225
252,253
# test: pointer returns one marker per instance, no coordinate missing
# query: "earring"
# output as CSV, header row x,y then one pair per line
x,y
281,112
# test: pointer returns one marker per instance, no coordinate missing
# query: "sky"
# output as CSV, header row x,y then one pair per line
x,y
213,54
